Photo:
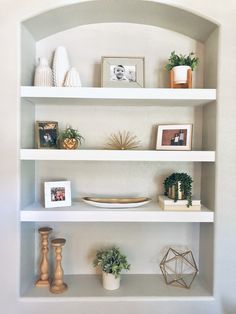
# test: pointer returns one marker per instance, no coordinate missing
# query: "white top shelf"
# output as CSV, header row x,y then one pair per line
x,y
154,96
116,155
81,212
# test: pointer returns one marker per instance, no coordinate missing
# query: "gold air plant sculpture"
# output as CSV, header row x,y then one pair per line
x,y
123,141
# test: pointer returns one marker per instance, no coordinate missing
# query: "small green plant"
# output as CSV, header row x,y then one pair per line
x,y
111,261
70,133
185,186
175,60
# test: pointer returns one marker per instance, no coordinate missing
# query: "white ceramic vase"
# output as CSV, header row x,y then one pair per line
x,y
60,66
43,74
72,78
110,282
181,74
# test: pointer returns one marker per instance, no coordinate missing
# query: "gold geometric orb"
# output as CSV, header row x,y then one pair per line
x,y
123,141
179,268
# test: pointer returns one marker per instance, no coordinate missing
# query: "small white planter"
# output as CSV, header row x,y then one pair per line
x,y
110,282
181,74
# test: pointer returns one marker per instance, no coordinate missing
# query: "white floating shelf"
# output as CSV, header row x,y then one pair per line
x,y
133,288
155,96
81,212
117,155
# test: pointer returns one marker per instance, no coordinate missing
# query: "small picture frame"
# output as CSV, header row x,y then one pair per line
x,y
57,194
174,137
123,72
46,134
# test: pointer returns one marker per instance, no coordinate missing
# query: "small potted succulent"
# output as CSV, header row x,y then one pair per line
x,y
180,64
70,138
178,186
112,262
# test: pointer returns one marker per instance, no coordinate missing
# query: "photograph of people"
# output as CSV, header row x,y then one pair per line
x,y
123,73
57,194
119,73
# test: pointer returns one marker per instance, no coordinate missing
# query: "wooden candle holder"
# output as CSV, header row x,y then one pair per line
x,y
58,286
43,280
182,85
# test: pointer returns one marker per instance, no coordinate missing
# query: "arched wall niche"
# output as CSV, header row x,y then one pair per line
x,y
135,12
128,11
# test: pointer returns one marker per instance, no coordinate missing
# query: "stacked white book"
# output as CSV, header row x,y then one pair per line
x,y
169,204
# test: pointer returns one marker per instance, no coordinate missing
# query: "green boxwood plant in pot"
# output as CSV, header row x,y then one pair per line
x,y
180,64
179,186
70,138
112,262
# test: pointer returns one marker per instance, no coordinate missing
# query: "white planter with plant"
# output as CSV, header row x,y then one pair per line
x,y
112,262
180,64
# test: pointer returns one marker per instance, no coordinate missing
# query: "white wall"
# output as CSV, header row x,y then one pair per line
x,y
12,12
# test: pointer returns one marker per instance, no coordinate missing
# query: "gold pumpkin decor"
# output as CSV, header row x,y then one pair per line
x,y
70,138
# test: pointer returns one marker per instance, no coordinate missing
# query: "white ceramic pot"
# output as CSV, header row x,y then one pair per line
x,y
110,282
43,74
181,74
72,78
60,66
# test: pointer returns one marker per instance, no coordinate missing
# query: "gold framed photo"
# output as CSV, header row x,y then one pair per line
x,y
46,134
123,72
174,137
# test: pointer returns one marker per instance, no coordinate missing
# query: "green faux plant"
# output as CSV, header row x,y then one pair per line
x,y
111,261
70,133
185,186
175,60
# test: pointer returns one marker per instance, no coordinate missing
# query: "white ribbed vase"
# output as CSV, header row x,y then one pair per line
x,y
110,282
72,78
43,74
60,66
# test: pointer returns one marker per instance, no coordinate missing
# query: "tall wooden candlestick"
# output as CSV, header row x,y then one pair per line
x,y
43,280
58,286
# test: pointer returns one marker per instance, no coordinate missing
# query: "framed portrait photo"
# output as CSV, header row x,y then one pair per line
x,y
174,137
46,133
123,72
57,194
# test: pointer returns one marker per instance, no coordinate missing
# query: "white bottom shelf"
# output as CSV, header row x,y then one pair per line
x,y
133,288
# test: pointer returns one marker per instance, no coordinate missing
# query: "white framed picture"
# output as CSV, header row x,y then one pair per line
x,y
57,194
174,137
123,72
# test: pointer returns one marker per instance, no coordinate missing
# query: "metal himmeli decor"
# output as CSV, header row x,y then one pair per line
x,y
123,141
179,268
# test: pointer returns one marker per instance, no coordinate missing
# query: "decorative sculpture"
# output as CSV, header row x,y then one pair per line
x,y
43,280
123,140
179,268
43,74
58,286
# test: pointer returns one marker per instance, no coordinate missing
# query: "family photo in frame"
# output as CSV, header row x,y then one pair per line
x,y
57,194
174,137
123,72
46,134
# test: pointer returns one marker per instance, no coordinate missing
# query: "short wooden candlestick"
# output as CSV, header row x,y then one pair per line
x,y
188,84
43,280
58,286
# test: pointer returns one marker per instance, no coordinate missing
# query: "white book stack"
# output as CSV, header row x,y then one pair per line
x,y
169,204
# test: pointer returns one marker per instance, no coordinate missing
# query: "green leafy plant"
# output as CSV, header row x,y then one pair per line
x,y
111,261
175,60
185,186
70,133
